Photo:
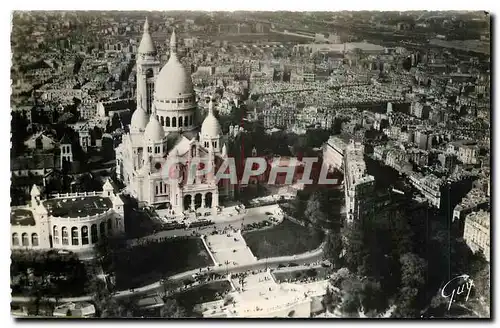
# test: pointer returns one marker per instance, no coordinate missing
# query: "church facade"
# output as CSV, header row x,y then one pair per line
x,y
169,133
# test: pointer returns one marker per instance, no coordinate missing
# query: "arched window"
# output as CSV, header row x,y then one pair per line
x,y
167,121
74,236
25,239
64,232
93,233
110,226
34,239
102,230
186,120
191,120
55,232
174,122
15,239
85,235
180,121
162,121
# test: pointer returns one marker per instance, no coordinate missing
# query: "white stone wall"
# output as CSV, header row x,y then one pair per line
x,y
19,230
77,234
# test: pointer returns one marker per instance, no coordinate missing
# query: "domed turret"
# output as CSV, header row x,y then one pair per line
x,y
146,46
173,80
154,131
139,119
211,126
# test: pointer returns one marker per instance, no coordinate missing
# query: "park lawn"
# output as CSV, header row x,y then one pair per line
x,y
60,275
204,293
300,274
146,264
286,238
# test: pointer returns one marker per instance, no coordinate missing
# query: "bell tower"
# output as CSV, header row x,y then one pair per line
x,y
148,67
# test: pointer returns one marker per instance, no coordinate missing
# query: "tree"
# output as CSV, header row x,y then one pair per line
x,y
172,309
406,303
373,299
351,295
354,245
330,300
241,279
413,270
100,295
168,286
332,247
313,212
413,279
338,277
114,309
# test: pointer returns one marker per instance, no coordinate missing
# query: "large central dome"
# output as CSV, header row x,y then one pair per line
x,y
174,96
173,80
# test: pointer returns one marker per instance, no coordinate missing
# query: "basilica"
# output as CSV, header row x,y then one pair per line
x,y
164,128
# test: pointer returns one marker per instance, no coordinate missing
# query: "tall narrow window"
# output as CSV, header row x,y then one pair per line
x,y
167,121
93,233
74,236
34,239
85,235
110,226
102,230
15,239
180,121
55,232
25,239
174,122
64,232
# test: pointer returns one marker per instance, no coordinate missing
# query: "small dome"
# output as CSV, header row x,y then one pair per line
x,y
154,131
211,126
146,46
139,119
173,80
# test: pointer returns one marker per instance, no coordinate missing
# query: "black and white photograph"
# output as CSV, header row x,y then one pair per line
x,y
250,164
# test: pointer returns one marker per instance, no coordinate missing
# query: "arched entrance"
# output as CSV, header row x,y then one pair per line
x,y
197,201
187,202
208,200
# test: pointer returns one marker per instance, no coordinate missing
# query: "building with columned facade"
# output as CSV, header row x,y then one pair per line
x,y
74,221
